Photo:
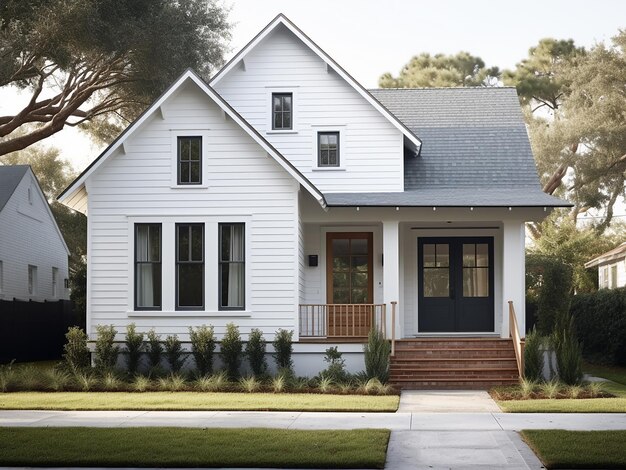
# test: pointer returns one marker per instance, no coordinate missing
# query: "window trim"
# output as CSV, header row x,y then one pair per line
x,y
135,262
178,307
55,282
282,94
174,180
32,280
319,150
220,307
179,161
271,91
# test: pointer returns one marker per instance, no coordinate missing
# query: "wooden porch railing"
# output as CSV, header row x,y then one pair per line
x,y
518,341
341,320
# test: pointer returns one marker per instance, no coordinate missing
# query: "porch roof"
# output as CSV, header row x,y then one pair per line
x,y
514,196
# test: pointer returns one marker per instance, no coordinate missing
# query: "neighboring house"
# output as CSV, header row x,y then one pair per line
x,y
33,254
282,194
611,268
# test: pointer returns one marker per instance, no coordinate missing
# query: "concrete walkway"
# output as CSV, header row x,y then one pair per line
x,y
447,401
432,440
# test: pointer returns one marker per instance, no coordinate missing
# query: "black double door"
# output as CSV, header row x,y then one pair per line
x,y
455,285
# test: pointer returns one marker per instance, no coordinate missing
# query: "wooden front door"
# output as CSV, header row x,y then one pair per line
x,y
455,285
349,283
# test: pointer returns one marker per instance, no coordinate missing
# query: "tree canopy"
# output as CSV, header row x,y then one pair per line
x,y
440,70
100,61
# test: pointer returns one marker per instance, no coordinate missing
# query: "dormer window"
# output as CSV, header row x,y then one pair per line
x,y
327,149
189,160
282,111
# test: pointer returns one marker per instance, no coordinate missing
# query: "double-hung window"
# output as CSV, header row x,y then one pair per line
x,y
189,266
32,279
148,267
189,160
232,266
55,282
328,149
282,111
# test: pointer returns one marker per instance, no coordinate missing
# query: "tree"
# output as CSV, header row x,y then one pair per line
x,y
440,70
538,79
99,60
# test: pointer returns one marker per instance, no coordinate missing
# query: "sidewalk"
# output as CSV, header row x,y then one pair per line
x,y
400,421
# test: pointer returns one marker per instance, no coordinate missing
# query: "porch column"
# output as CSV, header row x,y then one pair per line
x,y
513,275
391,272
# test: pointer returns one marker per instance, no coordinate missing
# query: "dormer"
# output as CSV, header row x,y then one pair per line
x,y
323,121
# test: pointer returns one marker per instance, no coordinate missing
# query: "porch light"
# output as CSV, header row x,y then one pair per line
x,y
434,208
397,208
510,208
358,209
471,209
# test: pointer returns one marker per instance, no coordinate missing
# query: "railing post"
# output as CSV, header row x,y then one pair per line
x,y
393,327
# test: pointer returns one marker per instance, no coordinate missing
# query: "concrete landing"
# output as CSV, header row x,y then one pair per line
x,y
446,401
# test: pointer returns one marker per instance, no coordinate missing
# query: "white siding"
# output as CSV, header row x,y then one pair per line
x,y
242,183
371,148
28,236
607,271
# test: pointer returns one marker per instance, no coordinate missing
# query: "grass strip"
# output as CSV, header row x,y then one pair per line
x,y
614,373
578,449
184,447
194,401
566,405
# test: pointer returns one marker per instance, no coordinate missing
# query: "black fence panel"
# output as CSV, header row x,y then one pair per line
x,y
34,331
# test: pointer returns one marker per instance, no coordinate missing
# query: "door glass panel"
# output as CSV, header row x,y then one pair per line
x,y
469,255
340,280
341,296
436,282
341,246
359,246
475,282
429,255
443,255
360,263
359,279
482,255
341,263
359,296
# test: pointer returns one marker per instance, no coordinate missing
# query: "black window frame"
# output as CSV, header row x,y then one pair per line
x,y
137,307
221,262
319,149
282,111
177,305
180,161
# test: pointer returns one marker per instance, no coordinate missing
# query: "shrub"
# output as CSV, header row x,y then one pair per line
x,y
377,352
249,384
283,349
111,382
568,352
202,348
550,389
231,350
549,281
279,384
30,378
106,351
527,387
134,347
174,353
533,357
172,383
155,349
57,380
75,352
8,377
600,320
336,369
325,384
86,381
255,352
140,383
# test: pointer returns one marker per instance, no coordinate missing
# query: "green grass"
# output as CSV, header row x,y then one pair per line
x,y
614,373
184,447
566,405
195,401
578,449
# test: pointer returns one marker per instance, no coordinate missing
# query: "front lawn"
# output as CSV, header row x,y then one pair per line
x,y
614,373
578,449
196,401
183,447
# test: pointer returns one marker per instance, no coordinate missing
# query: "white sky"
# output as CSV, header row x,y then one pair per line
x,y
369,38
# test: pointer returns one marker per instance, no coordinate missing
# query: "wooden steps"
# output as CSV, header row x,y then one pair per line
x,y
453,363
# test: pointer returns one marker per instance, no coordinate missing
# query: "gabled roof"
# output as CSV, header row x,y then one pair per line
x,y
10,177
476,151
78,184
611,255
281,19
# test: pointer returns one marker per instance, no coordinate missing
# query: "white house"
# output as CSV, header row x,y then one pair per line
x,y
611,268
33,254
282,194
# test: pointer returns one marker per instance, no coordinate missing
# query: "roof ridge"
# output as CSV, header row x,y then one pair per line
x,y
444,88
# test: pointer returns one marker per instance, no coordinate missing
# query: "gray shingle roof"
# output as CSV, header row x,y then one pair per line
x,y
10,177
475,151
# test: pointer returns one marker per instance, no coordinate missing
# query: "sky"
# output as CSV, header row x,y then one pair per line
x,y
369,38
